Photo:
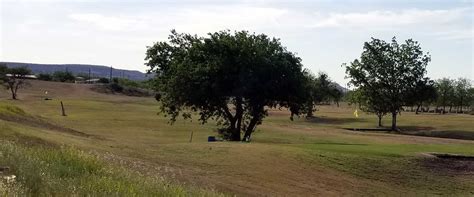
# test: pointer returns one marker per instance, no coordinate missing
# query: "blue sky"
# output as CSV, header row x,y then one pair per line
x,y
324,33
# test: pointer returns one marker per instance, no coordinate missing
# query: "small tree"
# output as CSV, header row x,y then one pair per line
x,y
15,79
461,93
45,77
445,89
370,102
387,72
424,92
63,76
470,100
3,72
317,89
103,80
335,93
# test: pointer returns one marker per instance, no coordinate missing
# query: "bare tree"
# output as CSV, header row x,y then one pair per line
x,y
15,79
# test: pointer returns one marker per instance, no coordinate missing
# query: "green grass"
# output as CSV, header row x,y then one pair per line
x,y
46,168
307,157
11,110
68,171
397,165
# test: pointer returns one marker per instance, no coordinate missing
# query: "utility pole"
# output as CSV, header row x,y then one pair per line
x,y
89,80
110,78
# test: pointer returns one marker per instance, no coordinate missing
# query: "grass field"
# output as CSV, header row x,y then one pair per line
x,y
125,136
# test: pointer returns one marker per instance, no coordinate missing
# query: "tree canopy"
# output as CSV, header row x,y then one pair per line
x,y
230,77
13,78
318,89
387,72
424,91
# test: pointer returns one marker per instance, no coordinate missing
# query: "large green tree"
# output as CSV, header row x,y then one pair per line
x,y
229,77
387,72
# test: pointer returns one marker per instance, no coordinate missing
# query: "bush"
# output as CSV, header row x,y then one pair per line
x,y
62,76
103,80
115,87
45,77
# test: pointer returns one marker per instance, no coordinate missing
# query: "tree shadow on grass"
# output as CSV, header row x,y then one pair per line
x,y
333,121
431,132
414,128
421,131
339,144
452,134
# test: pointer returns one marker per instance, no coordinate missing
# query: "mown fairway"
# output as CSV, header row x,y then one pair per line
x,y
301,157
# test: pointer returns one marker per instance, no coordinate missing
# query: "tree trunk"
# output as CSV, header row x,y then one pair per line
x,y
310,112
239,113
337,103
249,130
450,107
461,105
394,121
444,109
13,93
234,132
417,109
235,135
380,120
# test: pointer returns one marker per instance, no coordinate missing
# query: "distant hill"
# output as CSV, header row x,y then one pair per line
x,y
339,87
96,70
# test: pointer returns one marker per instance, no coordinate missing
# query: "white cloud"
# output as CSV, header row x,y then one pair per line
x,y
107,22
196,20
464,34
204,20
389,19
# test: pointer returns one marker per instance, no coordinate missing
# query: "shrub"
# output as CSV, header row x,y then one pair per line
x,y
103,80
45,77
115,87
63,76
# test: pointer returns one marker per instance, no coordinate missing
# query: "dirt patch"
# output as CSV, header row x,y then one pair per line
x,y
449,163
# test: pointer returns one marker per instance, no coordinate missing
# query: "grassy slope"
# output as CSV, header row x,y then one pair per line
x,y
301,157
47,168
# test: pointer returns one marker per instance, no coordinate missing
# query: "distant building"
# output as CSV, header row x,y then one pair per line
x,y
79,80
24,77
89,81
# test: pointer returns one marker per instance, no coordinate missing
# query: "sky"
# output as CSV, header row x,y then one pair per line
x,y
324,33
